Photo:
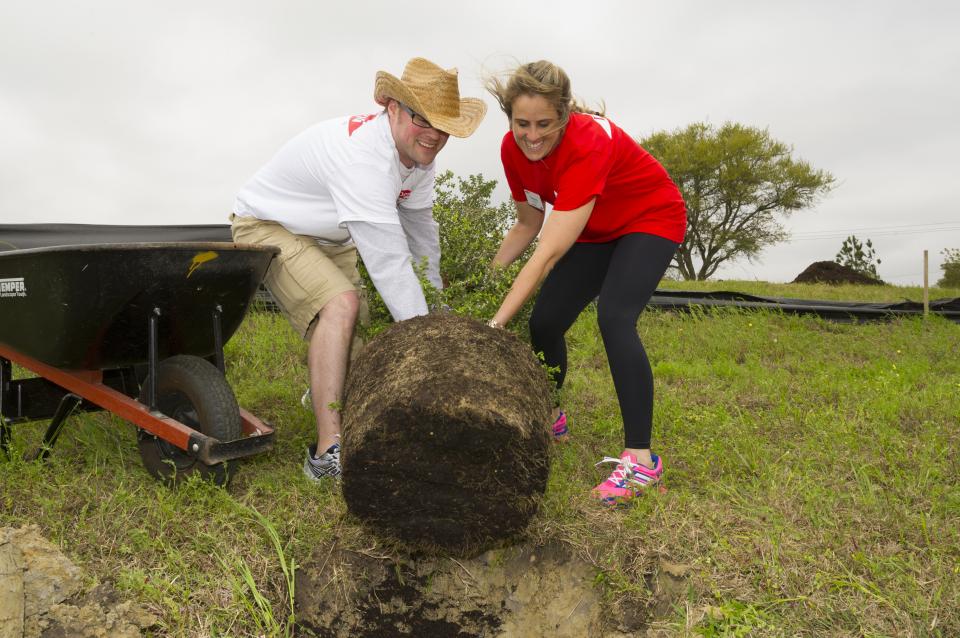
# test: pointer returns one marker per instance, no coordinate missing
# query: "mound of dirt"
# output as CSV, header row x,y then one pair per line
x,y
445,434
830,272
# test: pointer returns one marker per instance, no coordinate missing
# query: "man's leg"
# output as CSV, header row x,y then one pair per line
x,y
327,357
315,287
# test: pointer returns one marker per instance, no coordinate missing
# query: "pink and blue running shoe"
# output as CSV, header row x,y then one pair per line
x,y
560,431
627,480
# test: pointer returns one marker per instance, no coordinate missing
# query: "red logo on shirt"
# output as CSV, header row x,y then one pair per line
x,y
357,121
404,194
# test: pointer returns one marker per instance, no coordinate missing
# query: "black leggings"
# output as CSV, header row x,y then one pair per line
x,y
624,273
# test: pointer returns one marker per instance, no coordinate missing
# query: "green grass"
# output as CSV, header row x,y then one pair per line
x,y
812,474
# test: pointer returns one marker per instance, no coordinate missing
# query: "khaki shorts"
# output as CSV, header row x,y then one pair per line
x,y
305,275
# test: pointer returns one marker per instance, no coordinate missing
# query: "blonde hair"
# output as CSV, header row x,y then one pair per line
x,y
542,78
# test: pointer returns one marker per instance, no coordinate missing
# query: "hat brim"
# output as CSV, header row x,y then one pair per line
x,y
472,109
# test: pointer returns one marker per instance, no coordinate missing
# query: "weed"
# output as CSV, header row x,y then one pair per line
x,y
259,608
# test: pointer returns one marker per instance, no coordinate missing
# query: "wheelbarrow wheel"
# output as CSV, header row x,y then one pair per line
x,y
192,391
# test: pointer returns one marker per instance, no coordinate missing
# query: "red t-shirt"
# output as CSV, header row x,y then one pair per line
x,y
595,158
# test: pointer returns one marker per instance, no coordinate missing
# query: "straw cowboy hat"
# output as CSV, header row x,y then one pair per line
x,y
433,93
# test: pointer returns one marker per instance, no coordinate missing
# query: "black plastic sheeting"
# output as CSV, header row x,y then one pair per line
x,y
14,236
843,311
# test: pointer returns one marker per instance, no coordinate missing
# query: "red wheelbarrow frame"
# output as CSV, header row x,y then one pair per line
x,y
88,387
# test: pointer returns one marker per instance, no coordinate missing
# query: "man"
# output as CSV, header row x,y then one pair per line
x,y
361,183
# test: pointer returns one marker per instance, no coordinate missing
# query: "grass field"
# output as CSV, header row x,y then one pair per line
x,y
812,473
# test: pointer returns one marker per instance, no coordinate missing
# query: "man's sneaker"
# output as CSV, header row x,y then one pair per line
x,y
560,430
628,479
327,466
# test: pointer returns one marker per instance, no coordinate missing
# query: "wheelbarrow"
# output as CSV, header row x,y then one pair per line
x,y
137,330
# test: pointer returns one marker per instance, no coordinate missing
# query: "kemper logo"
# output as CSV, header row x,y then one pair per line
x,y
13,287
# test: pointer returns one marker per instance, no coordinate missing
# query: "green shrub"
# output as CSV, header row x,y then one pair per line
x,y
471,229
950,268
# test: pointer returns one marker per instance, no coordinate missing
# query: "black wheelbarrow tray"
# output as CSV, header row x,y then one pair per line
x,y
137,330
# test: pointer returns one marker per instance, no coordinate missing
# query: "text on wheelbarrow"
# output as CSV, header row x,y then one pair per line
x,y
14,287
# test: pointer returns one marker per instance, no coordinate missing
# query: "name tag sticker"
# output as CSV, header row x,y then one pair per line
x,y
534,200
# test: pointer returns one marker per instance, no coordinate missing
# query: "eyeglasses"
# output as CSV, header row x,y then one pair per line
x,y
418,119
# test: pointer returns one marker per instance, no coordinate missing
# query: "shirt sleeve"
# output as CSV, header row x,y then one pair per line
x,y
584,178
585,175
362,192
386,255
423,237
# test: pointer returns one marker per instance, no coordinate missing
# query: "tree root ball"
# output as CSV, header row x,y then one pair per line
x,y
446,434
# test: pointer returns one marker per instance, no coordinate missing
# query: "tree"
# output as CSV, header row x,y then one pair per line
x,y
950,268
735,181
859,257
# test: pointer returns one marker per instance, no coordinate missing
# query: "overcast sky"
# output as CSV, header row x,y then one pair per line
x,y
134,112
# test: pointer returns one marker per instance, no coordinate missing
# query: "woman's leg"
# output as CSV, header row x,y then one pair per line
x,y
573,283
636,266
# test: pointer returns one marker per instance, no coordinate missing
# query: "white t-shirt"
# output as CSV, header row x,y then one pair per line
x,y
341,181
341,170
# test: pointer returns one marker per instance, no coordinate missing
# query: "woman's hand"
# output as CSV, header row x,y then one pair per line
x,y
559,233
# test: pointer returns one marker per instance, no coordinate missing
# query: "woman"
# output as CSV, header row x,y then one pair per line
x,y
616,223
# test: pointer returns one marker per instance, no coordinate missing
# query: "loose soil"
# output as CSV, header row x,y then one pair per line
x,y
522,591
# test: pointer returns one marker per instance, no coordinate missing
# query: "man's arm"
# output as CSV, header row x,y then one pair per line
x,y
386,255
423,237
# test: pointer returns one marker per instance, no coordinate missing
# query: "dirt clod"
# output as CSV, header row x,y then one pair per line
x,y
41,595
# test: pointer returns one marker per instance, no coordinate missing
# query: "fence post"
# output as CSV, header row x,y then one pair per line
x,y
926,283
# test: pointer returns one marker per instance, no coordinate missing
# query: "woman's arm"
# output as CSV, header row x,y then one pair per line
x,y
560,232
521,235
